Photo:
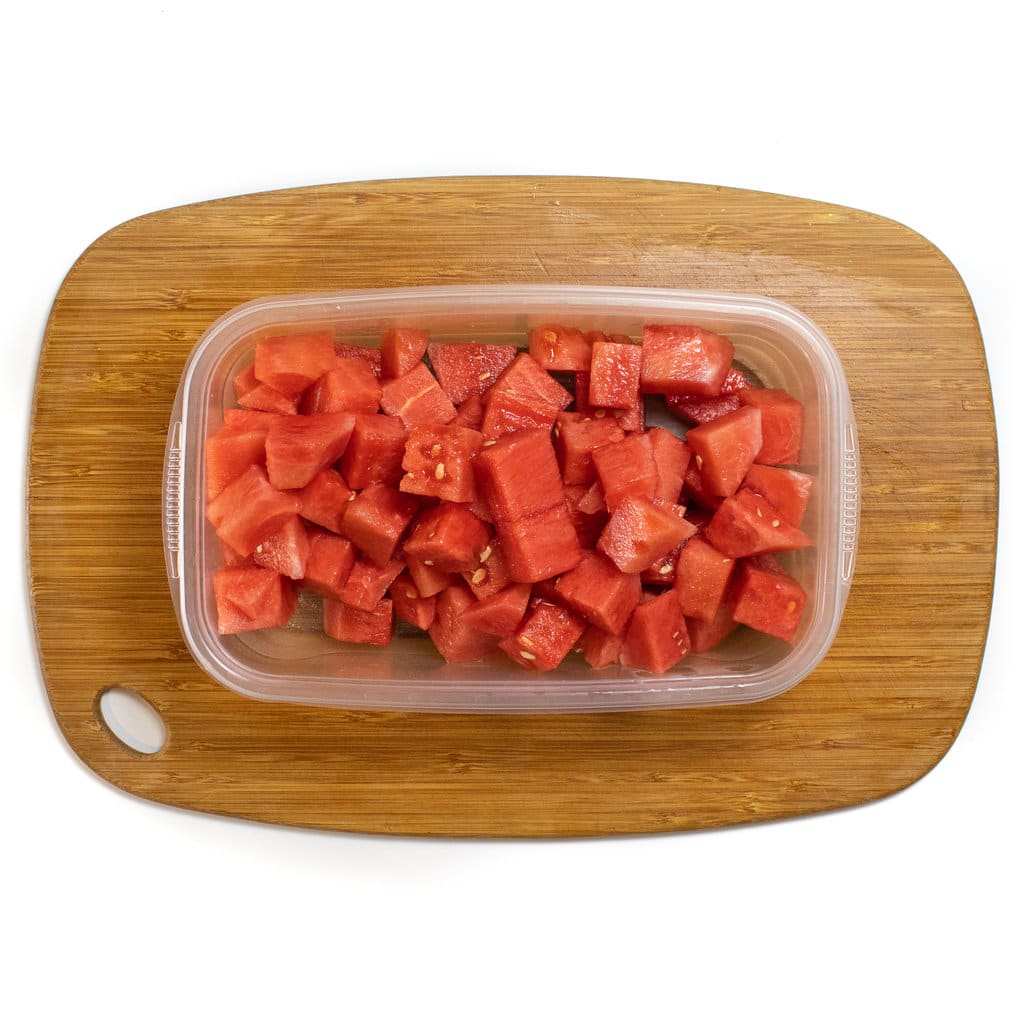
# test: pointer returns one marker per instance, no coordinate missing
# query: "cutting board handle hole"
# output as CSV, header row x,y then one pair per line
x,y
132,720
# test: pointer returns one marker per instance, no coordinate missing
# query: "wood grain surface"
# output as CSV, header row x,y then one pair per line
x,y
878,713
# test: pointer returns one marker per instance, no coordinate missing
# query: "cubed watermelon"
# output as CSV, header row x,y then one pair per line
x,y
640,531
559,348
702,576
696,409
409,605
518,475
539,546
290,363
376,519
263,398
298,447
449,537
615,375
769,600
401,349
626,468
354,625
525,378
543,639
470,414
747,524
229,453
599,592
248,509
656,638
706,635
370,356
455,640
601,649
672,457
329,563
416,398
285,550
350,387
782,422
267,597
786,489
490,574
368,583
684,360
438,462
576,437
429,579
499,614
324,500
466,371
725,449
375,451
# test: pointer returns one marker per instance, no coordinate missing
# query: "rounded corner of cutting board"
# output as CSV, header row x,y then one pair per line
x,y
880,712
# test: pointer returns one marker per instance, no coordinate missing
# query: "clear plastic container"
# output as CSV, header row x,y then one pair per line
x,y
298,663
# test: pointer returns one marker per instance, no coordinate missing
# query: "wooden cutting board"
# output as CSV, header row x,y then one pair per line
x,y
879,712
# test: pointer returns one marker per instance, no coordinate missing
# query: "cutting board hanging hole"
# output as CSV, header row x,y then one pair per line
x,y
132,720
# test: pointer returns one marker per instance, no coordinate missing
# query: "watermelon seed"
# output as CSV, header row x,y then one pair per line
x,y
411,594
526,641
760,514
665,570
484,375
485,554
478,577
699,461
435,450
428,561
487,444
775,522
439,472
600,413
527,655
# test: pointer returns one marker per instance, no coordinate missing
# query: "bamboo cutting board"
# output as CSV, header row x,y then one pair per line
x,y
878,713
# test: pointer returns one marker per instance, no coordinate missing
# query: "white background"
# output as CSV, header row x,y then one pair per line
x,y
119,910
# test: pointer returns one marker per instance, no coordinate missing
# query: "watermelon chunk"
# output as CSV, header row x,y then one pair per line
x,y
291,363
266,399
641,531
375,451
559,348
499,614
576,438
248,509
672,458
518,475
368,583
429,579
684,360
401,349
525,378
615,375
706,635
354,625
596,590
701,408
285,550
769,600
449,537
601,649
491,574
626,468
329,564
350,387
416,398
370,356
454,639
438,462
747,524
467,371
782,423
786,489
229,453
324,500
409,605
470,414
269,599
539,546
376,519
544,638
507,412
298,447
656,638
702,575
725,449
